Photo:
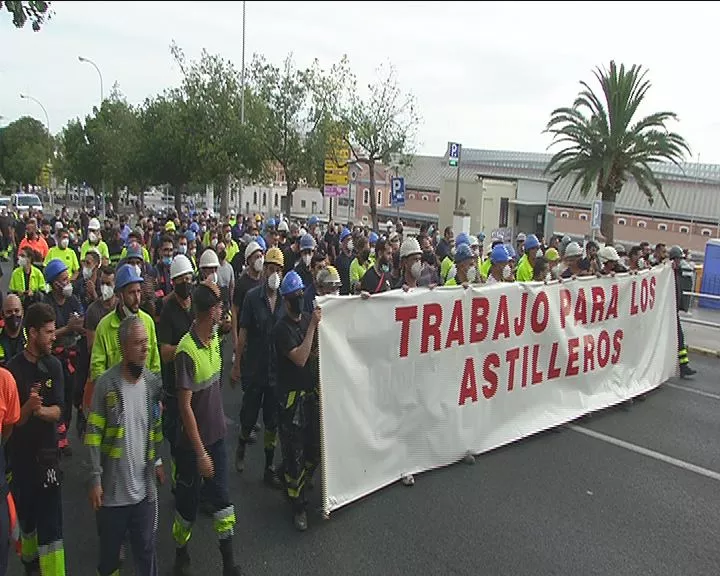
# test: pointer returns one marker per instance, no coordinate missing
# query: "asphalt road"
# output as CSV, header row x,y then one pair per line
x,y
561,503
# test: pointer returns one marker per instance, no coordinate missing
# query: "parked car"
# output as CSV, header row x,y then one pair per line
x,y
22,203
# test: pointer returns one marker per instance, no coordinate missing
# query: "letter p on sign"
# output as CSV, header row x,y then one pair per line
x,y
398,191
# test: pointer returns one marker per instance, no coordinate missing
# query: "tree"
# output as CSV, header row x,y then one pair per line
x,y
380,127
113,134
76,161
34,11
603,144
220,145
165,154
24,150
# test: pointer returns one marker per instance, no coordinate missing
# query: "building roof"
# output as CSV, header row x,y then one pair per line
x,y
693,192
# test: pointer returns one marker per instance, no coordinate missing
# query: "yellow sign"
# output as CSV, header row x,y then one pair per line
x,y
336,167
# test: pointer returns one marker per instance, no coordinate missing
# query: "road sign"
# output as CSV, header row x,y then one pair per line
x,y
454,153
596,215
331,191
398,191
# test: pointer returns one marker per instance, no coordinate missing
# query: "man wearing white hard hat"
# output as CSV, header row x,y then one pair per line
x,y
94,240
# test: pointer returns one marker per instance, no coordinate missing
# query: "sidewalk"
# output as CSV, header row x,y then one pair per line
x,y
702,339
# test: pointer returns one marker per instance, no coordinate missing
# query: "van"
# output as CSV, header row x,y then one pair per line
x,y
22,203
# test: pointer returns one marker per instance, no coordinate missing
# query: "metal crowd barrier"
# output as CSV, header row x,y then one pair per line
x,y
688,319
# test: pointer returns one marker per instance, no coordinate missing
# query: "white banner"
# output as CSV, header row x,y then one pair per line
x,y
414,381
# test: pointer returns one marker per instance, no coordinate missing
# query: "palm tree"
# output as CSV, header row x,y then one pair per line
x,y
604,146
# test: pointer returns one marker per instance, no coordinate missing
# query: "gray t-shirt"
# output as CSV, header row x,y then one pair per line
x,y
135,408
225,275
95,312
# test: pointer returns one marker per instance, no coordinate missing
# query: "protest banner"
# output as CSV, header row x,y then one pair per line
x,y
414,381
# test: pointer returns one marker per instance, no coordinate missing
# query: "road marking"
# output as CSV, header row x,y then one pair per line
x,y
693,390
646,452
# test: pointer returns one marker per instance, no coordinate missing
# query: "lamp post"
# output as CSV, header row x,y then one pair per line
x,y
102,98
102,93
47,124
242,102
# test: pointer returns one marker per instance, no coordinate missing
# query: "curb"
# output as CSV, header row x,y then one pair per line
x,y
704,351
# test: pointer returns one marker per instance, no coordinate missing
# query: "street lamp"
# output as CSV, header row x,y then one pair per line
x,y
102,93
47,122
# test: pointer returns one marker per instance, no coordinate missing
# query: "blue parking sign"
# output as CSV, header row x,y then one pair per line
x,y
398,191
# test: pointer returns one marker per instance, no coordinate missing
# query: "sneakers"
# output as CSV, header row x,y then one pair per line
x,y
686,371
271,478
240,457
300,521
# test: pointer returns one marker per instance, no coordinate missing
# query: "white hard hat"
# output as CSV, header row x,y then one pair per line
x,y
94,224
573,249
283,227
608,253
409,247
209,259
389,224
232,211
521,237
180,265
251,249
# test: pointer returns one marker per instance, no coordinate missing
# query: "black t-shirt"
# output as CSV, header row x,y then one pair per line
x,y
27,441
174,323
288,334
374,282
62,316
243,285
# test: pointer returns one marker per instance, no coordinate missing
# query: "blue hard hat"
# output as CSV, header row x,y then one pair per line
x,y
190,235
195,227
343,234
372,238
499,254
531,241
463,253
481,237
54,268
462,238
126,275
511,251
271,223
313,221
260,240
307,242
291,283
134,251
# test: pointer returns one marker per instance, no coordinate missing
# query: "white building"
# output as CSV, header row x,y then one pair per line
x,y
270,201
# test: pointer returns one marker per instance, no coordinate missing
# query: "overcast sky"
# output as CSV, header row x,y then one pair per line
x,y
485,74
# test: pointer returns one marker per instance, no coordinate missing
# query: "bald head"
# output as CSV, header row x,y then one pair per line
x,y
133,340
12,305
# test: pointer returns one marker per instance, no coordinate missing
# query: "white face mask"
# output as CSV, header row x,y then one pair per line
x,y
507,272
22,261
228,237
471,274
548,277
92,237
214,242
67,290
64,243
213,277
87,273
307,258
416,269
372,251
539,253
182,248
137,269
106,292
350,245
452,251
273,281
258,264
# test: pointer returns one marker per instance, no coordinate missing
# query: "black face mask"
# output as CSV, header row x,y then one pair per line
x,y
295,304
13,322
183,290
135,369
429,257
366,254
222,255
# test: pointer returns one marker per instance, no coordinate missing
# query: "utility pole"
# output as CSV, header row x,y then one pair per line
x,y
242,101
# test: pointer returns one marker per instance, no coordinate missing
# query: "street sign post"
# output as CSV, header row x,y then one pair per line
x,y
336,172
397,196
596,217
454,153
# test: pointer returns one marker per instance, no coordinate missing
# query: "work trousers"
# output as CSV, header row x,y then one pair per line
x,y
5,531
39,513
300,443
682,350
226,355
170,421
189,483
259,395
136,521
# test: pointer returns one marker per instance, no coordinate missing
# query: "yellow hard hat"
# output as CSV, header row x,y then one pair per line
x,y
275,256
169,226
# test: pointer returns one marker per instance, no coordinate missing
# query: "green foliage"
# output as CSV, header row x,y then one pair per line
x,y
381,126
603,144
24,150
35,11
